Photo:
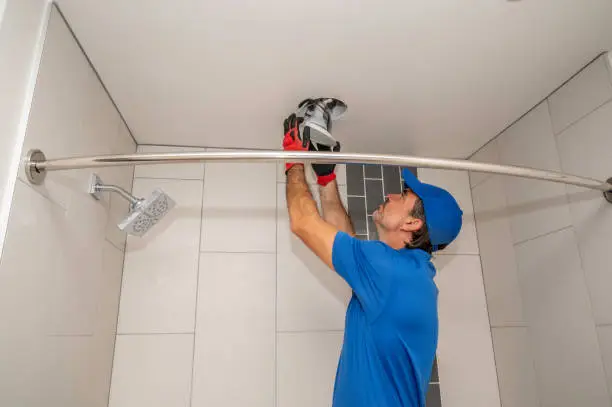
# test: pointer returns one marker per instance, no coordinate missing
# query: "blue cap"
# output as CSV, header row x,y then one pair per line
x,y
443,216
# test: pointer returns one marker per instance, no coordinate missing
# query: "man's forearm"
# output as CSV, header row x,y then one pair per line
x,y
333,209
300,203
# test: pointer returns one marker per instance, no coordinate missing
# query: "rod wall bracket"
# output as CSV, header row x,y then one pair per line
x,y
35,176
608,194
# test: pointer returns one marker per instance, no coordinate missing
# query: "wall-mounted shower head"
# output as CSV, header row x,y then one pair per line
x,y
144,212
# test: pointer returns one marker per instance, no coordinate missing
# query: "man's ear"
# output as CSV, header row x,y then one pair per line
x,y
412,225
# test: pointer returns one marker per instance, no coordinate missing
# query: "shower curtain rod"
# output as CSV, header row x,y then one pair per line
x,y
37,165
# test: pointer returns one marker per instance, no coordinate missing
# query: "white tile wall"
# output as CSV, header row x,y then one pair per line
x,y
59,277
458,184
310,295
516,372
235,340
159,281
562,329
152,370
307,364
174,171
605,342
584,150
464,335
488,154
535,207
588,90
239,213
497,253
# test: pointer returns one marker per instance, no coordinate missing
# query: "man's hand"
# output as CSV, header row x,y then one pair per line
x,y
325,172
294,141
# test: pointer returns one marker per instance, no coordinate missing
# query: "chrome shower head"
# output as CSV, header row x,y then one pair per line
x,y
144,212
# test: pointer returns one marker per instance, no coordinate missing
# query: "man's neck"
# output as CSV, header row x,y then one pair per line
x,y
392,240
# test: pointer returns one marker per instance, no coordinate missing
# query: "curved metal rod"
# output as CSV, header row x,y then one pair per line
x,y
36,163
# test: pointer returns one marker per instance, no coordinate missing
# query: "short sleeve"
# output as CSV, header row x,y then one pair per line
x,y
359,264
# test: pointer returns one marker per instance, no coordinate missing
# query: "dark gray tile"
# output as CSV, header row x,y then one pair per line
x,y
374,194
434,372
373,171
433,396
357,212
412,170
392,180
354,179
372,234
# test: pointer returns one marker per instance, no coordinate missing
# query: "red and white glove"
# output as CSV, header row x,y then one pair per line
x,y
325,172
294,141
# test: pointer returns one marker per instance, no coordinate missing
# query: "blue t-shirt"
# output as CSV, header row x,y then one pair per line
x,y
391,328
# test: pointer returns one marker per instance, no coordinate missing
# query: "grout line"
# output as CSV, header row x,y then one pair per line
x,y
236,252
605,324
276,303
484,289
195,314
93,68
373,179
171,179
542,235
556,135
311,331
70,335
536,105
153,333
355,196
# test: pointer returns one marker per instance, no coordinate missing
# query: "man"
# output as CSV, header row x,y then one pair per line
x,y
391,322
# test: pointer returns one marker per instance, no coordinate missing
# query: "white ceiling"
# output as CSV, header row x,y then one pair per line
x,y
419,76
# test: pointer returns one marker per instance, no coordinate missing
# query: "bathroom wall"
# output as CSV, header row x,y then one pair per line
x,y
61,265
222,305
22,29
545,246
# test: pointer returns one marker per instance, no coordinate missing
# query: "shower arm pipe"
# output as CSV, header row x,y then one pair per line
x,y
37,165
122,192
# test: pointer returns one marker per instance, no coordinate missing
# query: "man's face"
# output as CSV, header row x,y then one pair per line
x,y
394,214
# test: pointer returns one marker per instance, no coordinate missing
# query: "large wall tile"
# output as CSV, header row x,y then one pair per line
x,y
306,371
535,207
515,369
152,370
53,283
557,308
581,95
497,254
605,342
465,335
159,280
458,184
235,334
584,149
311,297
239,213
487,154
174,171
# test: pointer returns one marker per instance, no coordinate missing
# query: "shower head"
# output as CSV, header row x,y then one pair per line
x,y
144,212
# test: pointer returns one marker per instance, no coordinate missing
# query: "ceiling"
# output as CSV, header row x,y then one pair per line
x,y
437,78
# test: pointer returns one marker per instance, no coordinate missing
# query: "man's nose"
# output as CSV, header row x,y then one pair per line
x,y
393,197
